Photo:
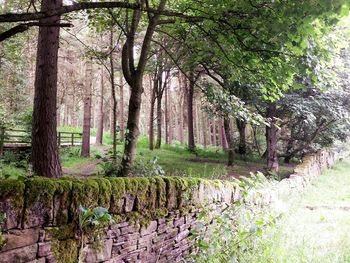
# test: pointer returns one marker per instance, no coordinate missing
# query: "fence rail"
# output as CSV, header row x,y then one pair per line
x,y
16,139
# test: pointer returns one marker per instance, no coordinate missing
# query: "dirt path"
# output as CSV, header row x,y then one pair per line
x,y
89,168
317,227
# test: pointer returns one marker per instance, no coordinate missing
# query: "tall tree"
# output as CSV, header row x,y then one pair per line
x,y
85,146
133,75
99,115
45,159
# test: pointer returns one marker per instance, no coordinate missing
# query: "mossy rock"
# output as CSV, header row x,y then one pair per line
x,y
84,193
65,251
139,188
39,194
105,192
12,202
62,201
117,195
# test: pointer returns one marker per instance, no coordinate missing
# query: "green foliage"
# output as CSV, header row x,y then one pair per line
x,y
2,221
14,165
91,220
238,232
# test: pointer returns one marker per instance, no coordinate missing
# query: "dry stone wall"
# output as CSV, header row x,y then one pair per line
x,y
154,215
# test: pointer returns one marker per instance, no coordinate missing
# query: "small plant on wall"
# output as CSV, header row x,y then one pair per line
x,y
91,222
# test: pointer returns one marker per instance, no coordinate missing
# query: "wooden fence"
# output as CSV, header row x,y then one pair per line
x,y
21,139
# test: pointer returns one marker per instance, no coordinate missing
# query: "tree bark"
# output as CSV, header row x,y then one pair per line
x,y
114,98
99,115
242,128
271,132
214,142
74,119
159,89
230,141
151,119
85,146
191,143
121,91
45,159
166,115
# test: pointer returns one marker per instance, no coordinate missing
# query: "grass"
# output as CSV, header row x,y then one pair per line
x,y
176,160
317,226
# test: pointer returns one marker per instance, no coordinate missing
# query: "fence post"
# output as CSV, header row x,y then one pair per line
x,y
72,138
2,140
59,139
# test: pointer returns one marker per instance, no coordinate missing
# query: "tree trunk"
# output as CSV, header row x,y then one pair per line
x,y
242,128
132,127
99,115
166,115
151,119
121,91
114,98
85,146
271,132
159,118
214,131
65,115
230,141
204,130
74,119
191,143
134,76
45,159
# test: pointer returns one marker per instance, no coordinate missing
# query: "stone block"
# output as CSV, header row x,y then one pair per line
x,y
20,238
179,221
61,202
152,227
93,255
19,255
40,260
44,249
129,203
182,235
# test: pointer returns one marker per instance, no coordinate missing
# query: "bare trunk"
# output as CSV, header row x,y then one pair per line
x,y
121,91
85,146
271,132
204,130
159,120
65,115
134,76
214,132
191,143
242,129
114,99
45,159
230,141
132,127
166,115
74,119
99,115
151,120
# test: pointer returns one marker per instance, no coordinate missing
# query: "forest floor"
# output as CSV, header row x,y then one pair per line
x,y
316,227
175,160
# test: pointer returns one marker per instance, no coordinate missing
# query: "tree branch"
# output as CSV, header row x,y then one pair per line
x,y
25,26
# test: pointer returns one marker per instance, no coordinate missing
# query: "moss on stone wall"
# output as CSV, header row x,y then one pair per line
x,y
12,193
